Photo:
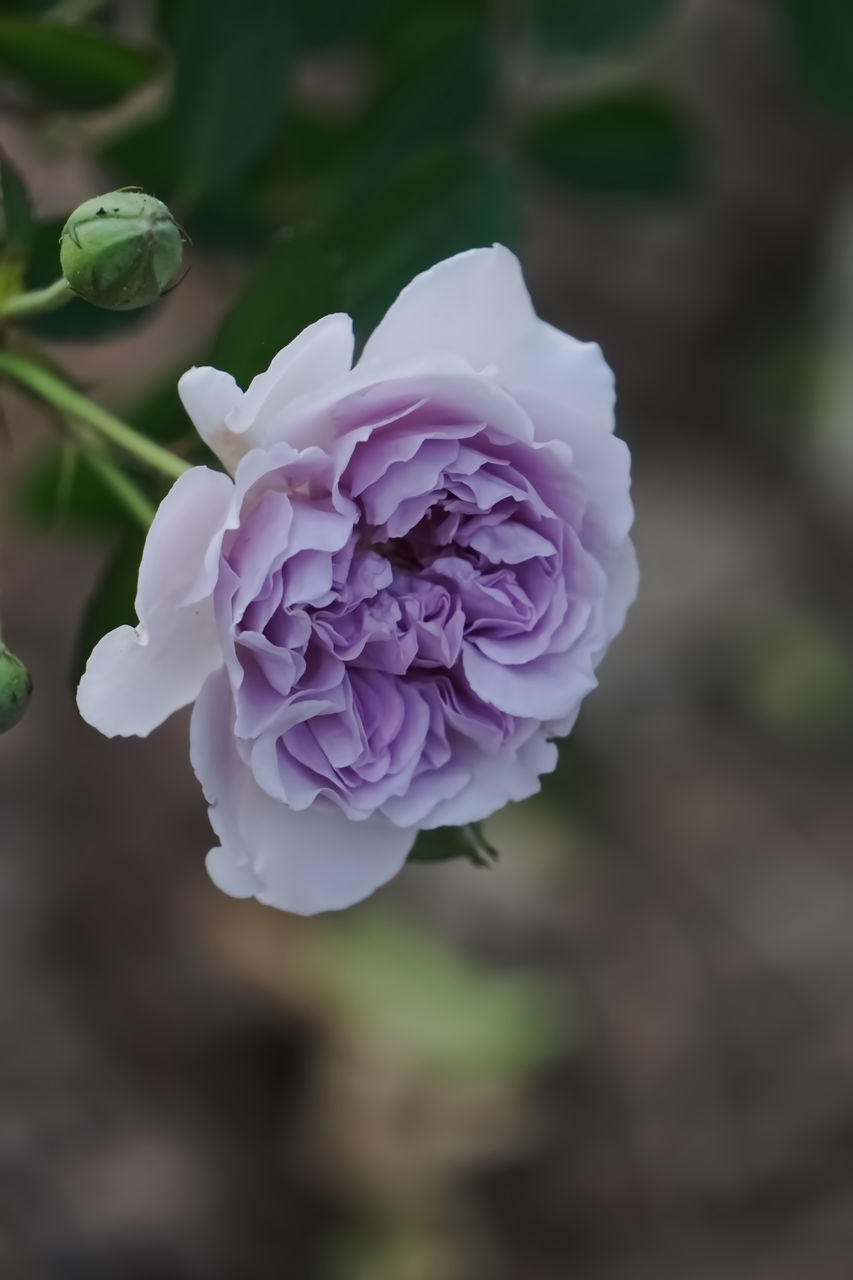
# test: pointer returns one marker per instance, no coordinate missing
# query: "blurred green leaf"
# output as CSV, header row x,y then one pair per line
x,y
71,67
785,671
439,845
142,156
632,145
112,601
443,843
232,64
595,26
336,22
221,219
428,1003
292,286
60,488
162,416
436,80
18,225
440,204
819,35
312,142
77,321
27,6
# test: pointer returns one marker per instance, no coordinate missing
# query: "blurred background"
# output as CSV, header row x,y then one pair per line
x,y
626,1053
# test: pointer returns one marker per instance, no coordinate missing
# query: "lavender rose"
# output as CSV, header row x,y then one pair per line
x,y
397,599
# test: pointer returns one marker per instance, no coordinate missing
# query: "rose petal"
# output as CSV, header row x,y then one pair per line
x,y
495,782
546,688
209,395
316,860
573,375
318,358
475,304
136,677
232,422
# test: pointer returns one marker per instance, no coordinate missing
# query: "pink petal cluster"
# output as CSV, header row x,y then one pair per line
x,y
395,599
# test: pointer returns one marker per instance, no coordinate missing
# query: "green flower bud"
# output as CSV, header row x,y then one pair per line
x,y
122,250
16,685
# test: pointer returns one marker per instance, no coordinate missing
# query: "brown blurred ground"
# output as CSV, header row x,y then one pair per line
x,y
185,1089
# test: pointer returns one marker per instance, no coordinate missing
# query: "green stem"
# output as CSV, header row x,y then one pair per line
x,y
50,388
24,305
129,494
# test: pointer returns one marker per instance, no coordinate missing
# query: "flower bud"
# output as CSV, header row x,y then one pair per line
x,y
16,685
122,250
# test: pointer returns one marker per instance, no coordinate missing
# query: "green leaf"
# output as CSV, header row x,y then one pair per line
x,y
335,22
112,601
232,66
595,26
162,416
819,36
291,287
443,843
413,997
60,489
18,226
442,203
142,157
70,67
632,145
227,219
437,80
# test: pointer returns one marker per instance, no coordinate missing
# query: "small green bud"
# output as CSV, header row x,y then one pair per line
x,y
16,685
122,250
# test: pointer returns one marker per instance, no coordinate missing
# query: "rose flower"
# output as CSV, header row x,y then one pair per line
x,y
396,598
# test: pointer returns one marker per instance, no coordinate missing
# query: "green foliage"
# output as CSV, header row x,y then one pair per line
x,y
161,415
336,23
440,204
431,1004
436,81
231,69
143,156
292,286
17,210
819,35
596,26
60,489
443,843
70,67
630,145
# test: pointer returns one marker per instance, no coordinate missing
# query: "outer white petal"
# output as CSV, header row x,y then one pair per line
x,y
314,860
623,580
475,304
136,677
573,375
209,395
319,357
233,422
